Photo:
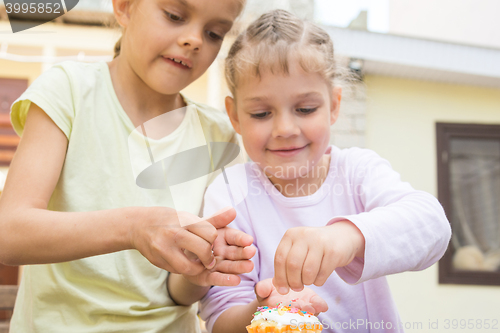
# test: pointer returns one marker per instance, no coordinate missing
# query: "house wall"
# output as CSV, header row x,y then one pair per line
x,y
400,126
473,22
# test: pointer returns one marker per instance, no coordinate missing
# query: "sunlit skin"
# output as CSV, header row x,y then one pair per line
x,y
285,124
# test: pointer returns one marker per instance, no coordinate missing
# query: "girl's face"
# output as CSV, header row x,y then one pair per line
x,y
170,43
285,120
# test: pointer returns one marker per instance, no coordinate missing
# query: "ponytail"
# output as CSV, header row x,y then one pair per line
x,y
118,47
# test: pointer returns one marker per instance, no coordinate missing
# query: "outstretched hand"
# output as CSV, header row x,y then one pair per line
x,y
306,300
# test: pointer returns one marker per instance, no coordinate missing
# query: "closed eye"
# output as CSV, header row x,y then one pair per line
x,y
261,115
214,36
173,17
306,110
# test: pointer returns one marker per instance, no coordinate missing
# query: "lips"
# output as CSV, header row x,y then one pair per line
x,y
287,151
180,61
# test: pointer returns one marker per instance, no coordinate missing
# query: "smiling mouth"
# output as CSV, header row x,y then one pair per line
x,y
287,150
179,62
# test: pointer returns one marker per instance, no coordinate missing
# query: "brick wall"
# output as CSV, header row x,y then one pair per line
x,y
350,128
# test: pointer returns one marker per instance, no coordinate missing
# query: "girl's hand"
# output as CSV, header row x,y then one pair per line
x,y
233,251
160,238
306,300
309,255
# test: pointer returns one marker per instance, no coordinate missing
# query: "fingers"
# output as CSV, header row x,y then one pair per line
x,y
176,262
235,252
222,218
204,230
236,237
328,265
307,307
190,255
280,278
234,267
223,280
319,304
312,265
193,243
294,265
263,289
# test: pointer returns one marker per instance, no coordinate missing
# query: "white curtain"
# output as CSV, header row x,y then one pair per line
x,y
475,193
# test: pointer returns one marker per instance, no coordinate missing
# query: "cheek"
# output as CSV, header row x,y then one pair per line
x,y
209,56
254,135
318,131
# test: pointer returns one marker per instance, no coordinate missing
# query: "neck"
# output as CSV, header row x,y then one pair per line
x,y
139,101
304,185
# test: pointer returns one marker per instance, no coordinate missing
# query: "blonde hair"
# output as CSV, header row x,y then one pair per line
x,y
269,43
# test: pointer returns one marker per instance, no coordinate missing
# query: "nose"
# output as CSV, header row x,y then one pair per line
x,y
285,125
191,39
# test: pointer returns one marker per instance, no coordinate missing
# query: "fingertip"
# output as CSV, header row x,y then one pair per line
x,y
283,290
249,252
228,212
251,266
247,240
264,288
222,217
233,280
212,264
319,303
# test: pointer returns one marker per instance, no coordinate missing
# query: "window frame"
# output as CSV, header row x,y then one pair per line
x,y
444,133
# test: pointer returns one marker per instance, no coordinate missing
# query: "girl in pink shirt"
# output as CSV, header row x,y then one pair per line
x,y
335,220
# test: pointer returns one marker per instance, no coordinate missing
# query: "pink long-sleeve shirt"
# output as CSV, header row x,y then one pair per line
x,y
404,230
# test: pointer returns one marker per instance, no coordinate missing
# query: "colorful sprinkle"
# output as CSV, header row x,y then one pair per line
x,y
282,309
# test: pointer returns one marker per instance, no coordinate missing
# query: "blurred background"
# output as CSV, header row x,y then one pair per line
x,y
427,98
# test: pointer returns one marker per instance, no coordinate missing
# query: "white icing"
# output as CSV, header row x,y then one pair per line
x,y
286,318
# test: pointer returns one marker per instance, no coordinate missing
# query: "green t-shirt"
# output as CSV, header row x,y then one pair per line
x,y
123,291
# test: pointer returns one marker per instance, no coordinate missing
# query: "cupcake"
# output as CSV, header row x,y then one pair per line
x,y
283,319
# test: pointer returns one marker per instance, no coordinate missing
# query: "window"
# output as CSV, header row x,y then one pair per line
x,y
10,90
469,190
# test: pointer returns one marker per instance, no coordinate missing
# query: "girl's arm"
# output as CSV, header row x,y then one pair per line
x,y
236,318
183,292
30,234
404,229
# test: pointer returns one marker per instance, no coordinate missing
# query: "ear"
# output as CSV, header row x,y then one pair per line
x,y
335,104
121,9
231,112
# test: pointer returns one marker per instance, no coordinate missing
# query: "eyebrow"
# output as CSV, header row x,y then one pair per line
x,y
185,4
191,7
263,98
255,99
308,94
